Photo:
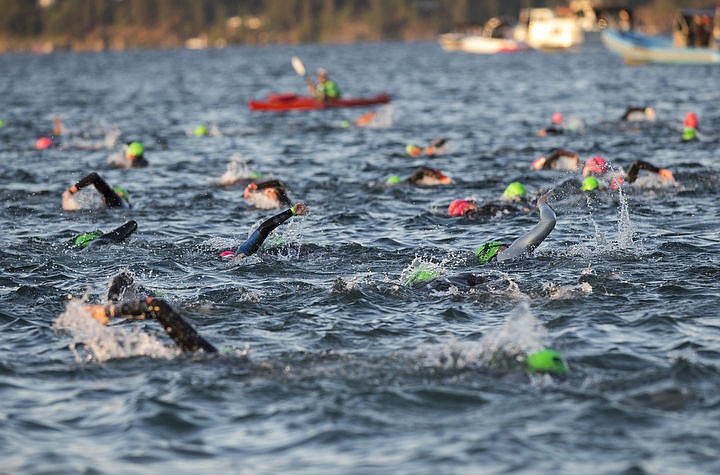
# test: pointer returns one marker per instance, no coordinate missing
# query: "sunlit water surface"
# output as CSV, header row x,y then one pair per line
x,y
331,364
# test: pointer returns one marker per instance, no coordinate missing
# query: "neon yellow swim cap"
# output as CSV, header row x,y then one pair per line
x,y
515,190
122,193
546,361
590,183
689,134
393,179
200,131
135,149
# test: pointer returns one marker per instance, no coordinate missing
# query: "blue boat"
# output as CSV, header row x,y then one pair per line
x,y
695,40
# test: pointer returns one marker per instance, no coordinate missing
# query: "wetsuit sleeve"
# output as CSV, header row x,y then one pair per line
x,y
527,243
115,236
638,165
181,332
258,236
112,200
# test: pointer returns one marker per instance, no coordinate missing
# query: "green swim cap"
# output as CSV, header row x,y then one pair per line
x,y
689,134
546,361
488,250
135,149
86,238
200,130
590,183
393,179
255,176
345,124
514,190
2,122
420,276
122,193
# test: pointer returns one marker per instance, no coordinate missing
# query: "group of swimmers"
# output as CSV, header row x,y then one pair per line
x,y
267,194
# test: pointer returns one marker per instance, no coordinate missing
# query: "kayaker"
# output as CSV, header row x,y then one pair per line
x,y
326,88
267,194
559,159
98,238
133,156
114,197
253,243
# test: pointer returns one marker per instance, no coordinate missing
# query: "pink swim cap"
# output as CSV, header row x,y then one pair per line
x,y
43,143
227,254
459,207
596,165
691,120
557,118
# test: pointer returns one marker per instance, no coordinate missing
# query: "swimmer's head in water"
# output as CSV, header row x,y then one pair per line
x,y
489,250
200,131
546,361
43,143
460,207
84,239
538,163
122,193
617,182
135,149
557,118
413,150
596,165
689,134
393,180
691,120
590,183
514,191
421,276
649,113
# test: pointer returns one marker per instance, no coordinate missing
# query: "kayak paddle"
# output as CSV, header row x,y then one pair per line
x,y
299,68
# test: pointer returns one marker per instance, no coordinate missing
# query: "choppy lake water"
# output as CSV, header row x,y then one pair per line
x,y
331,364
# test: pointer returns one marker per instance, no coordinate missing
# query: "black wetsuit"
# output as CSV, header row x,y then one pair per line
x,y
115,236
489,210
635,168
181,332
110,197
422,173
253,243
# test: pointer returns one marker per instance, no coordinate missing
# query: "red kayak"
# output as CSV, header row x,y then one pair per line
x,y
287,102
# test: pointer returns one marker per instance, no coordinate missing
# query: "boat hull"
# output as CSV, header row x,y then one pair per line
x,y
290,102
637,48
481,44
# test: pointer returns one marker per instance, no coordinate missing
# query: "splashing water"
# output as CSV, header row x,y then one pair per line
x,y
626,229
422,264
92,341
237,170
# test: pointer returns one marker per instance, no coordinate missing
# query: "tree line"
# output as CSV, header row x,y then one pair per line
x,y
102,24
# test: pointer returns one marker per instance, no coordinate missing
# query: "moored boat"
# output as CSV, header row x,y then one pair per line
x,y
696,40
287,102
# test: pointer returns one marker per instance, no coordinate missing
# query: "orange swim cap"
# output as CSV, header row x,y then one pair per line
x,y
43,143
460,207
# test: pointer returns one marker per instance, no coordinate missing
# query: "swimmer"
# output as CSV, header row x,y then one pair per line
x,y
253,243
597,166
639,114
177,328
267,194
115,197
425,176
515,192
98,238
559,159
133,156
435,147
523,245
690,127
470,209
123,288
555,128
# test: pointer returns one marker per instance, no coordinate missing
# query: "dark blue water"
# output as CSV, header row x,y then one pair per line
x,y
331,363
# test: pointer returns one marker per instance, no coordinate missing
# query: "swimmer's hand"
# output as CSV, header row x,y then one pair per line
x,y
666,174
97,312
299,209
68,201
